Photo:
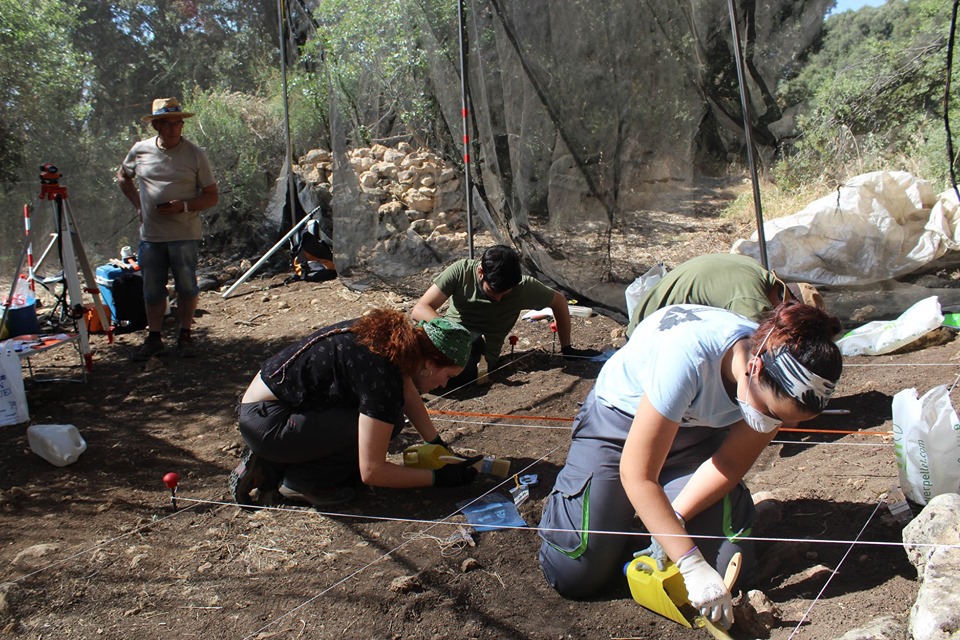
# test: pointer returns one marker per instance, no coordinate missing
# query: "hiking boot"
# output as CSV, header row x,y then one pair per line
x,y
318,496
253,472
186,348
148,349
244,478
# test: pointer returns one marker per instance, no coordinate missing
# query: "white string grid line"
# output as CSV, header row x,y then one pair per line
x,y
148,525
434,523
644,534
538,348
902,364
834,572
826,432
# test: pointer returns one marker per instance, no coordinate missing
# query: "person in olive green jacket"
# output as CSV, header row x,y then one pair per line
x,y
486,296
724,280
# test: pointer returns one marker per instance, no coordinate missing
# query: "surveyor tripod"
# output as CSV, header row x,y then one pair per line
x,y
66,237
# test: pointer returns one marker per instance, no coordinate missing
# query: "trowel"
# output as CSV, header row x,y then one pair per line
x,y
729,578
664,592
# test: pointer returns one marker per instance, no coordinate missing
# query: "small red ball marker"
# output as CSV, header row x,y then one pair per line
x,y
172,479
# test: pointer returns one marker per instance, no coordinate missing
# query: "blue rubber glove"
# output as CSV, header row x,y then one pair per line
x,y
656,553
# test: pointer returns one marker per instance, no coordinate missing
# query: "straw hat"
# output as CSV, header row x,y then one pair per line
x,y
166,108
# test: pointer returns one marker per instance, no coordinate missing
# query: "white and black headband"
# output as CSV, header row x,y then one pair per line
x,y
805,386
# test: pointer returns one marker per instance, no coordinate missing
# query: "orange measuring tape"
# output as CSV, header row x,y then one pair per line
x,y
472,414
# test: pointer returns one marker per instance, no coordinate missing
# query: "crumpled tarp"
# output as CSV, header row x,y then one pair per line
x,y
878,226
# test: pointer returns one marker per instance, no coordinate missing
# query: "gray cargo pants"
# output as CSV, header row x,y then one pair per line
x,y
587,518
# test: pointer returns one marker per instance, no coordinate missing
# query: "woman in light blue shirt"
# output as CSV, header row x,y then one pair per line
x,y
677,418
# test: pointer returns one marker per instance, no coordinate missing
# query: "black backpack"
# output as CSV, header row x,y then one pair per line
x,y
312,256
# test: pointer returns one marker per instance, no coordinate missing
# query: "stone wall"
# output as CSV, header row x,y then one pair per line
x,y
421,214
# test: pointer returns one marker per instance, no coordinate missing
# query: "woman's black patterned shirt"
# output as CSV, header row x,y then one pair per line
x,y
335,371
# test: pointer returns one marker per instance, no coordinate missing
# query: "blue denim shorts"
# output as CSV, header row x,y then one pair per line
x,y
157,259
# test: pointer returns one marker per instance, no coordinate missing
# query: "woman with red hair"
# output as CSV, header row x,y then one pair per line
x,y
319,416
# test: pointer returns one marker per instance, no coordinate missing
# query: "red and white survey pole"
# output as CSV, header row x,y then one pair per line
x,y
26,229
465,114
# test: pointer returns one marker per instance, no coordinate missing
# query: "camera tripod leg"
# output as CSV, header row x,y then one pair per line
x,y
88,274
13,285
74,294
71,253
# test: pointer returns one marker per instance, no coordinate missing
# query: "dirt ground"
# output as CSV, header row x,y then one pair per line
x,y
109,556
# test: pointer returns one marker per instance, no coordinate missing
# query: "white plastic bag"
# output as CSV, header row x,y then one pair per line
x,y
880,336
22,297
636,289
926,441
13,398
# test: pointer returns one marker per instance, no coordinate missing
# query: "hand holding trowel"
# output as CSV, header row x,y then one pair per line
x,y
715,609
659,585
434,456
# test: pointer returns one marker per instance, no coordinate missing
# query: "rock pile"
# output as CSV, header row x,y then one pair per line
x,y
419,193
932,544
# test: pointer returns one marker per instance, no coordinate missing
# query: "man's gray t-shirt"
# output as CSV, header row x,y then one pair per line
x,y
180,173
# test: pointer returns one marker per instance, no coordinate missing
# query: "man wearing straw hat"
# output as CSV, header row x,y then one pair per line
x,y
175,185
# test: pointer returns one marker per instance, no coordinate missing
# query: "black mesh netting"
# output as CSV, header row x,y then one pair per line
x,y
583,116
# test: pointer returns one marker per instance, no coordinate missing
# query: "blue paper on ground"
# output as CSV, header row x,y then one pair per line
x,y
491,512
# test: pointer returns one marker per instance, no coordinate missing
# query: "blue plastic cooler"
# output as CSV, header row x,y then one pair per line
x,y
122,291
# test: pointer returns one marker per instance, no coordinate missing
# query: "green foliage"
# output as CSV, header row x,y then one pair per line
x,y
41,80
245,141
43,100
875,91
308,106
147,49
370,56
77,75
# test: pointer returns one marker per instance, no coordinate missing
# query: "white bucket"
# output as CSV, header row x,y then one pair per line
x,y
58,444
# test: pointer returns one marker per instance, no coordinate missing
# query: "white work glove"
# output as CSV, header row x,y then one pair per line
x,y
705,589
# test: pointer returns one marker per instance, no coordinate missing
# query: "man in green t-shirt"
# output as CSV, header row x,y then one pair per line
x,y
486,296
725,280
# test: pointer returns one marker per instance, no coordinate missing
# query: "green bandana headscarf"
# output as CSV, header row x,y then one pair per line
x,y
452,339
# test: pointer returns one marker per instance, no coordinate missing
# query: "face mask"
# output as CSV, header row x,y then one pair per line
x,y
754,418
